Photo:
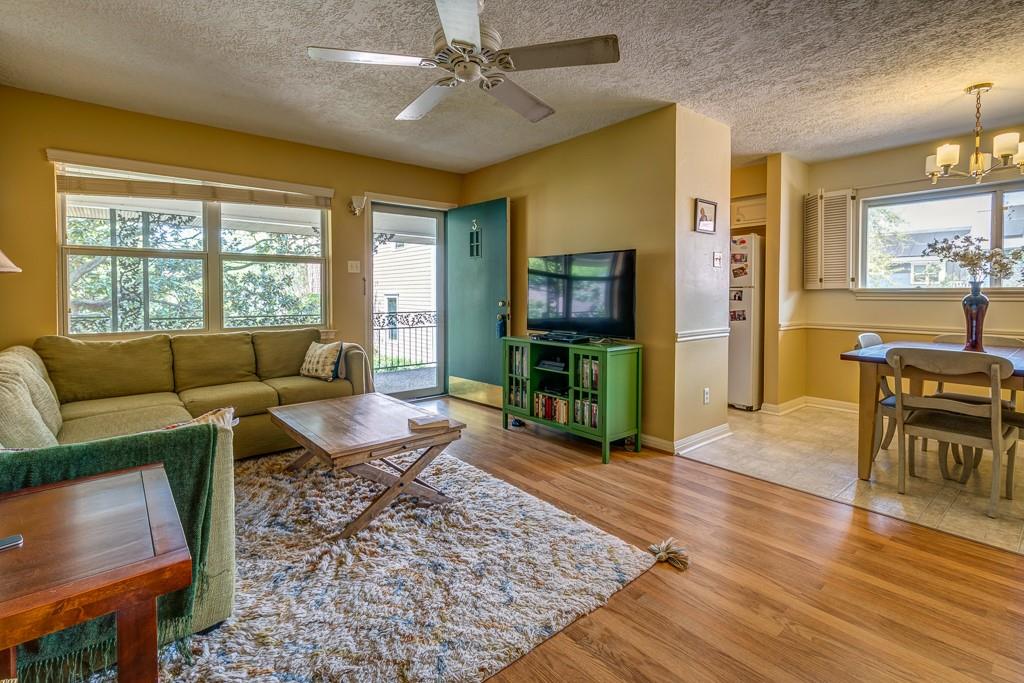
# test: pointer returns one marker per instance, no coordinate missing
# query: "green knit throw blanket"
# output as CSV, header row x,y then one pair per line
x,y
187,455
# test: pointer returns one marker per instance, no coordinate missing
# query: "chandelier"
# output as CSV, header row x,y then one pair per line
x,y
1007,150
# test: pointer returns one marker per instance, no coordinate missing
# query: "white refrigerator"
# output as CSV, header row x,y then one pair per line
x,y
746,311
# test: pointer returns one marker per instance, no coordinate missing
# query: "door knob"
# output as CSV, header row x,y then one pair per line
x,y
502,302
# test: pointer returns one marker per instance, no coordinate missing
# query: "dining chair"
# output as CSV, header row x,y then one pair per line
x,y
990,339
978,426
1010,414
886,407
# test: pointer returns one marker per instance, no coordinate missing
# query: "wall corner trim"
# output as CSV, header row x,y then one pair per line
x,y
706,333
809,402
784,408
703,438
656,443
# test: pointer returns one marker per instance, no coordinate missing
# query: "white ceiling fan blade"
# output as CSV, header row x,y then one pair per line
x,y
460,20
331,54
596,50
422,105
523,101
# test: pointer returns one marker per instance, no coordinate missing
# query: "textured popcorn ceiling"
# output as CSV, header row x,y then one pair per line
x,y
816,79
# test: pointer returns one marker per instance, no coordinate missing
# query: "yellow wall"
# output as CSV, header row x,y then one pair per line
x,y
632,185
832,318
31,122
784,346
610,189
749,181
702,169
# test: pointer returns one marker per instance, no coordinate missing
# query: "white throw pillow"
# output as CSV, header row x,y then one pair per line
x,y
321,360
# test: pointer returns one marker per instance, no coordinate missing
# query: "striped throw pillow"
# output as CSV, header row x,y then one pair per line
x,y
321,360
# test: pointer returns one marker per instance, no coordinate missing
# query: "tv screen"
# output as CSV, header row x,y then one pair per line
x,y
592,294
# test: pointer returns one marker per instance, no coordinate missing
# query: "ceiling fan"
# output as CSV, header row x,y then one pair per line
x,y
471,53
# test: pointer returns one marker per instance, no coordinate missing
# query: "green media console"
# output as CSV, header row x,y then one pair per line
x,y
591,390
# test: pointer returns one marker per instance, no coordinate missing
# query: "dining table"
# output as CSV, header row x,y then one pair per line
x,y
873,368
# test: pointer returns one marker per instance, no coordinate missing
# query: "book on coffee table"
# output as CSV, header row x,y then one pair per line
x,y
424,422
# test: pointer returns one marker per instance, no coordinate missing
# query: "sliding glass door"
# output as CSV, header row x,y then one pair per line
x,y
407,294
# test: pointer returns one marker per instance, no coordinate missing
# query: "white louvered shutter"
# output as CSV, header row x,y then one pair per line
x,y
836,214
812,242
828,226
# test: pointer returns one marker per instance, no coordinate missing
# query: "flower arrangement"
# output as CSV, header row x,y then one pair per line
x,y
970,254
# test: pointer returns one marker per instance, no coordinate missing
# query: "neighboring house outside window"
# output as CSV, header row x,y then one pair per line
x,y
405,315
896,230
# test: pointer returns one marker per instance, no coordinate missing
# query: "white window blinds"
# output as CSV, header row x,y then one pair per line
x,y
81,174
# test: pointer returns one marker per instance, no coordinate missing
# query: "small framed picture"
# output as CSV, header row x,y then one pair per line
x,y
704,215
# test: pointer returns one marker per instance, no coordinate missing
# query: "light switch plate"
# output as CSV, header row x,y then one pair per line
x,y
716,259
354,266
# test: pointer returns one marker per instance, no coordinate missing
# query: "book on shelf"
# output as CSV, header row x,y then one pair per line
x,y
518,359
551,408
594,365
585,373
585,412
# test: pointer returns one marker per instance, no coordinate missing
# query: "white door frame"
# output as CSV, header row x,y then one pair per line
x,y
441,274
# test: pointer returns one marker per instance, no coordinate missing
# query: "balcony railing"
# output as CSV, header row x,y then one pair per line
x,y
404,339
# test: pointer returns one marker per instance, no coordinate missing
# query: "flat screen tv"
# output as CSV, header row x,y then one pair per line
x,y
591,294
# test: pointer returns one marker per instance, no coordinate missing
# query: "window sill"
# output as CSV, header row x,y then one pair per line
x,y
921,294
327,334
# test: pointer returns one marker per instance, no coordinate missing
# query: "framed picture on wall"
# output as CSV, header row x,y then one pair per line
x,y
705,215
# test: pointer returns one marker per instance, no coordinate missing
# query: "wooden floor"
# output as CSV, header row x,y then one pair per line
x,y
782,586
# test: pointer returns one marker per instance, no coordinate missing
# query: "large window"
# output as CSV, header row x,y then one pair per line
x,y
896,230
140,264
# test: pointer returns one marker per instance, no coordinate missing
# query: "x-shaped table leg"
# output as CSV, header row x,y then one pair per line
x,y
405,483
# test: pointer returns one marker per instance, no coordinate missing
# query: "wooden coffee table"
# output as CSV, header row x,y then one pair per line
x,y
110,543
362,434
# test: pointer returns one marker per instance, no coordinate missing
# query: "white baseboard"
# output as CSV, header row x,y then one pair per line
x,y
784,408
655,443
832,404
703,438
688,443
808,402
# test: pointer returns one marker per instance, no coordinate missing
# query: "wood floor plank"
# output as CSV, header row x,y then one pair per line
x,y
783,586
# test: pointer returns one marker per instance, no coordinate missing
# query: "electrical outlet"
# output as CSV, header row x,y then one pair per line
x,y
707,395
354,266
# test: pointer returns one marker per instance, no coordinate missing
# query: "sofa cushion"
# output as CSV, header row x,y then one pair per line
x,y
21,425
33,359
301,389
84,370
100,406
279,353
203,360
247,398
15,366
121,423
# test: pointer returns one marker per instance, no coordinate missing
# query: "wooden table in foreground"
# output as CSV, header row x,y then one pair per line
x,y
110,543
873,367
353,431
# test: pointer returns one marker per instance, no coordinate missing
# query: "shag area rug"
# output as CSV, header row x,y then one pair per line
x,y
433,593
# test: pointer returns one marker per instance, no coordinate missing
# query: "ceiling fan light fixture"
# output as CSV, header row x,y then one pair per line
x,y
472,53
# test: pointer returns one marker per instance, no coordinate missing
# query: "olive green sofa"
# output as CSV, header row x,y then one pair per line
x,y
68,391
110,388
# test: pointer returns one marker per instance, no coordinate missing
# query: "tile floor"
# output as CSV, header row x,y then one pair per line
x,y
815,450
